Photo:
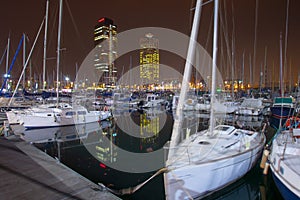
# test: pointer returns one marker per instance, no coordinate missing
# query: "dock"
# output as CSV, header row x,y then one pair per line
x,y
28,173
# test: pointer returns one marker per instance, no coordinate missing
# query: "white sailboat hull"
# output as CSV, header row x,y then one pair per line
x,y
38,121
202,164
199,180
249,111
46,117
285,165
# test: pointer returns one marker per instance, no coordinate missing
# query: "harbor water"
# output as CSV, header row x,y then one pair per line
x,y
96,151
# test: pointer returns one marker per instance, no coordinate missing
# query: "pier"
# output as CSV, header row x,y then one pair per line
x,y
28,173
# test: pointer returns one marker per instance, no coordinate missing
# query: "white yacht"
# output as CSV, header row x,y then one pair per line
x,y
251,106
52,116
153,101
285,162
207,161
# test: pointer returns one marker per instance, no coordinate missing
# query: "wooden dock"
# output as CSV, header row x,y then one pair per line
x,y
28,173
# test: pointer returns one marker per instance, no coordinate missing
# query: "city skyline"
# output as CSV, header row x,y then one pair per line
x,y
79,21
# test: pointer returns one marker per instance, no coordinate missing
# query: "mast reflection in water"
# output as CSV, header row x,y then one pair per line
x,y
94,149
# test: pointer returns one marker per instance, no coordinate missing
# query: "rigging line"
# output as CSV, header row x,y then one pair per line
x,y
255,38
203,4
75,26
3,54
28,58
224,25
223,57
191,15
285,39
54,24
233,68
202,70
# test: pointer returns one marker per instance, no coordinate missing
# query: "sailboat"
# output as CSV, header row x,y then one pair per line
x,y
208,161
45,116
283,106
284,160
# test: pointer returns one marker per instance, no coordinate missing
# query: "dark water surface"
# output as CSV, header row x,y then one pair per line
x,y
96,151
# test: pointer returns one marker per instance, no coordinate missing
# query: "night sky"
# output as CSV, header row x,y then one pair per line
x,y
80,17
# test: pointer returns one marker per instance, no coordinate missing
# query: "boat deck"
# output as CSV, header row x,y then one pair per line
x,y
201,148
293,161
28,173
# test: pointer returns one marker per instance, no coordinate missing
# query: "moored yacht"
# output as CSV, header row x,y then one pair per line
x,y
284,161
207,161
52,116
250,106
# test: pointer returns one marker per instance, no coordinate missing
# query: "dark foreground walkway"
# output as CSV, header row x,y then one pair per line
x,y
28,173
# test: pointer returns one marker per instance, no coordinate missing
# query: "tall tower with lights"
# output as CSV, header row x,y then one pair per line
x,y
105,40
149,60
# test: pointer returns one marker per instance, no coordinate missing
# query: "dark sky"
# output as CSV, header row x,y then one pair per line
x,y
80,18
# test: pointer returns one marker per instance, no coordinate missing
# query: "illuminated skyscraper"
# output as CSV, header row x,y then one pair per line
x,y
105,40
149,60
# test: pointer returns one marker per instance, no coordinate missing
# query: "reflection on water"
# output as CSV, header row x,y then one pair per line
x,y
94,150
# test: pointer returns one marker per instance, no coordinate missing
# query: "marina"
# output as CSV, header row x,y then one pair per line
x,y
153,112
76,147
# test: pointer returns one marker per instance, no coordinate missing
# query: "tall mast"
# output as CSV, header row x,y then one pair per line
x,y
214,66
232,66
28,57
76,68
7,58
298,83
185,80
280,75
250,72
255,41
45,46
232,53
243,69
261,78
265,67
285,69
58,51
24,58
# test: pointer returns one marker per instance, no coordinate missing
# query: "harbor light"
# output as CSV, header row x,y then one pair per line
x,y
6,75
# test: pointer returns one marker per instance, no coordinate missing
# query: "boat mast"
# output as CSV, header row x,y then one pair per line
x,y
28,57
185,79
24,58
232,53
214,66
255,43
298,83
7,58
250,72
58,52
286,40
45,46
280,75
243,69
11,65
265,68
